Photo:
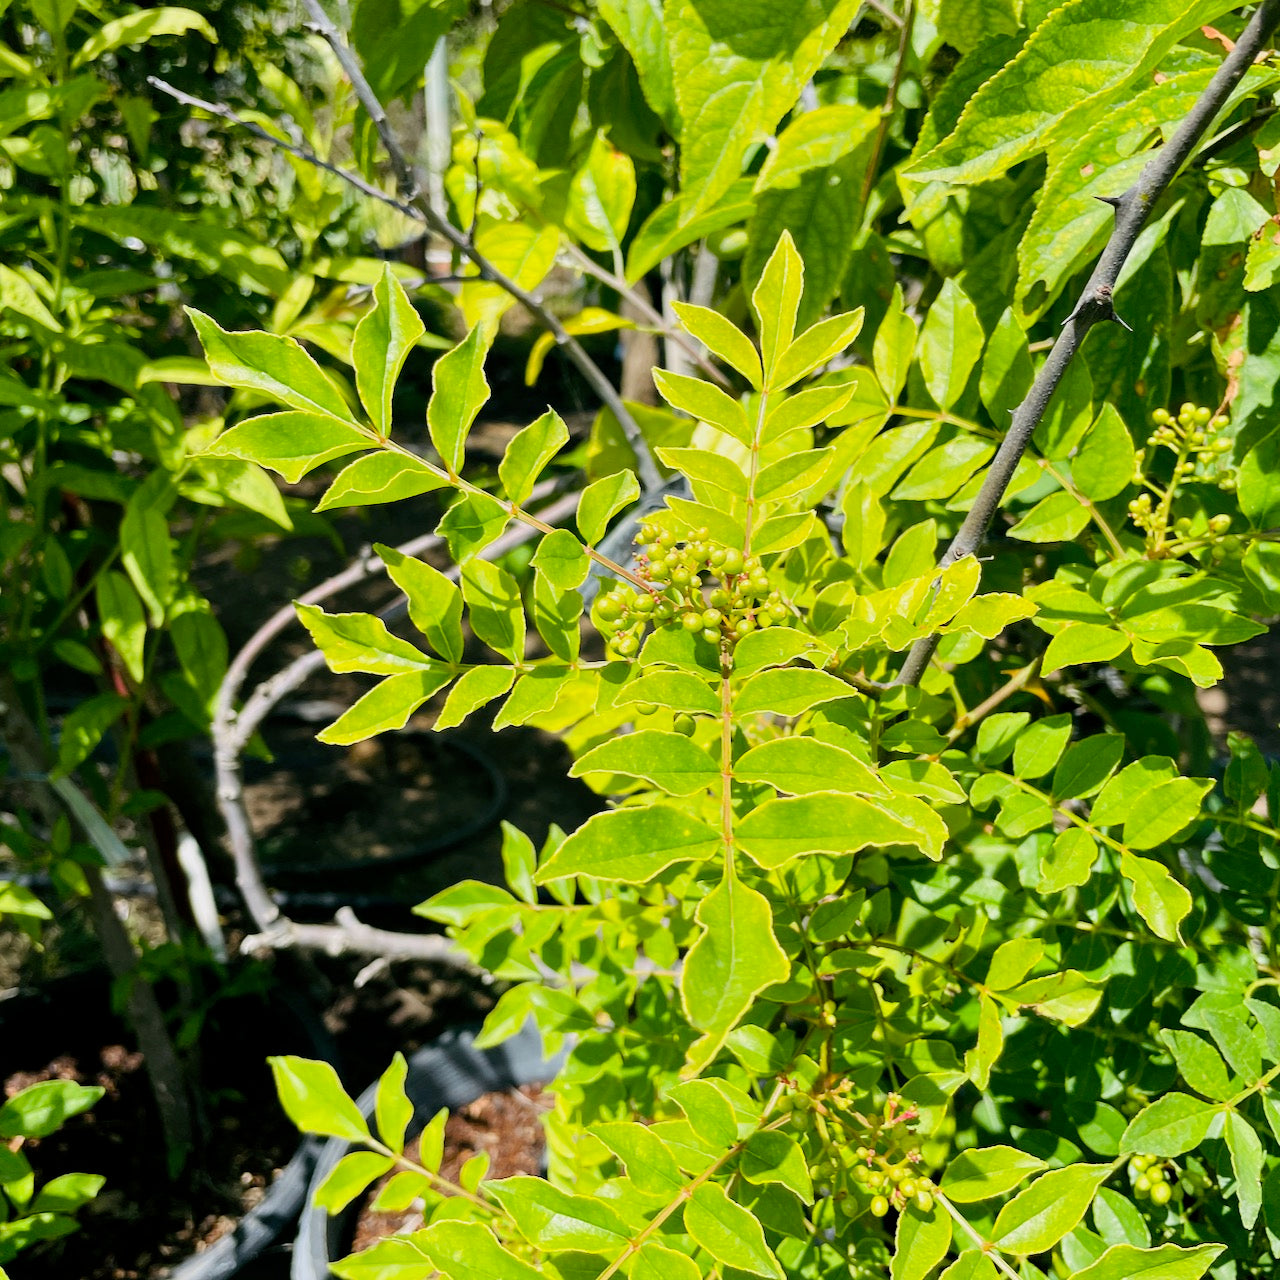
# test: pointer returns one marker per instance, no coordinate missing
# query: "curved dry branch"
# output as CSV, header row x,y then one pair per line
x,y
232,729
1133,209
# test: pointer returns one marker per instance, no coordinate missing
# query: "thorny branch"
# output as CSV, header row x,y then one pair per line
x,y
1133,209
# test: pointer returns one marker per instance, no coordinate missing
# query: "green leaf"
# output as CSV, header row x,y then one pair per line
x,y
392,1107
728,1232
272,365
1012,961
920,1242
1070,224
1246,1163
67,1193
392,1258
722,338
655,1262
602,500
1218,1013
737,69
553,1220
83,727
704,401
1080,643
708,1110
1200,1065
1116,800
735,958
776,299
775,1157
1068,862
138,28
350,1177
1086,765
43,1108
1168,1262
1103,466
1058,518
802,765
476,688
1037,1218
123,623
677,690
601,194
289,443
826,822
788,691
360,642
1164,810
1040,746
950,344
631,845
815,140
435,603
494,607
639,27
1069,64
388,705
562,561
979,1060
465,1251
670,228
458,392
971,1265
529,452
314,1099
147,555
650,1165
1259,482
1171,1125
986,1172
1161,901
472,523
669,761
521,252
387,332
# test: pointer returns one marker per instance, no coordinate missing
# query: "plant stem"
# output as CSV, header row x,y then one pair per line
x,y
988,1249
1018,681
891,102
1133,209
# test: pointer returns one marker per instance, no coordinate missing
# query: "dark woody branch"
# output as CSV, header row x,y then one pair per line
x,y
1132,210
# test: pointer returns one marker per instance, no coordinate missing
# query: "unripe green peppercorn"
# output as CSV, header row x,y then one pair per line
x,y
879,1206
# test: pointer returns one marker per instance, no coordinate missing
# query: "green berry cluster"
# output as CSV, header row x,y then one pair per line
x,y
1150,1180
708,589
875,1170
1193,436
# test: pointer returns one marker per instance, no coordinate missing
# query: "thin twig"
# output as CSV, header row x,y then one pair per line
x,y
648,312
1133,208
1018,681
890,103
407,187
417,207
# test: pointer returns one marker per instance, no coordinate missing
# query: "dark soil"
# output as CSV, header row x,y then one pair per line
x,y
507,1126
144,1221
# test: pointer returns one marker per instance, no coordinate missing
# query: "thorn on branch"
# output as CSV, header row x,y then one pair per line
x,y
1116,202
1096,307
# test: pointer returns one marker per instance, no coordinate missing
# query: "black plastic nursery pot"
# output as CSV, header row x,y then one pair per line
x,y
448,1073
65,1028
